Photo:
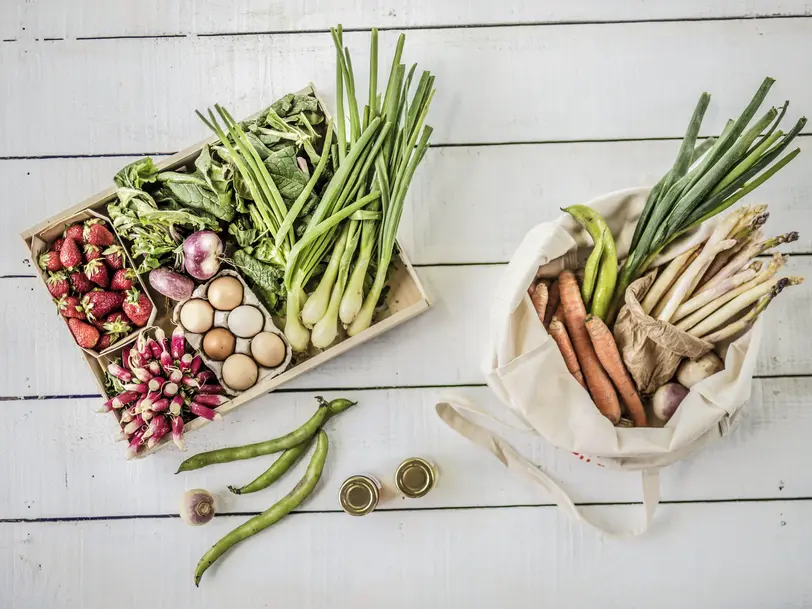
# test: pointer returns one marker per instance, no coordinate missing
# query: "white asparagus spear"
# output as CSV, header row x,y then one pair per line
x,y
744,321
700,300
756,219
666,279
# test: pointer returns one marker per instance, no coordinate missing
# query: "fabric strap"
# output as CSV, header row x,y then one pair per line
x,y
451,410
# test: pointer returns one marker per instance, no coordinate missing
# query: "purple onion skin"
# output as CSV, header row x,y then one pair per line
x,y
202,252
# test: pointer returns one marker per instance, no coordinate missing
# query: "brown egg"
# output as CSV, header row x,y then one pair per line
x,y
218,343
225,293
268,349
240,372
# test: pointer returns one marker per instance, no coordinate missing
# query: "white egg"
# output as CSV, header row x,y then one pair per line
x,y
240,372
246,321
197,316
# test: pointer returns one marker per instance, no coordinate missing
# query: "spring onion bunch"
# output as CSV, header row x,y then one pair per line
x,y
707,179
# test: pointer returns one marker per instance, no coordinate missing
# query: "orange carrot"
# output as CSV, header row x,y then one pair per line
x,y
609,356
552,303
539,299
562,339
600,386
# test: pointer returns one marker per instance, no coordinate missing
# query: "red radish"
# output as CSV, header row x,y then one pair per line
x,y
186,362
69,255
69,306
122,280
120,373
125,358
92,252
107,406
139,387
178,343
49,261
125,399
160,405
170,389
96,271
133,425
142,374
57,284
154,347
159,434
166,360
99,304
96,233
201,254
156,383
176,375
204,377
189,381
194,367
177,432
56,246
127,415
154,425
135,443
114,256
210,389
80,283
176,405
137,307
204,411
75,232
210,400
155,367
86,336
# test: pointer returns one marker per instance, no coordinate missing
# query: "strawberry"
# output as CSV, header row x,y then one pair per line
x,y
92,252
69,306
137,307
49,261
80,283
97,323
117,324
75,232
98,304
57,284
114,255
96,271
105,341
56,246
122,280
86,335
96,233
69,255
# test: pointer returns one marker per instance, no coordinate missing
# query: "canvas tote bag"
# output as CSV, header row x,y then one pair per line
x,y
524,368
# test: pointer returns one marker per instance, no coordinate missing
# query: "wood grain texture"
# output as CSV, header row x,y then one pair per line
x,y
444,346
81,472
472,558
492,194
37,18
494,84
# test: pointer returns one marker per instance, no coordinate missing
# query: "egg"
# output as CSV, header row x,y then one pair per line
x,y
240,372
268,349
225,293
218,343
197,316
246,321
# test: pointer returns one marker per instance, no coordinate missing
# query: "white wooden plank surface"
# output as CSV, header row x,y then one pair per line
x,y
38,19
466,187
494,84
442,347
711,555
81,472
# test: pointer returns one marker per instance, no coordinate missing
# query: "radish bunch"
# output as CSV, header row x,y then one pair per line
x,y
158,386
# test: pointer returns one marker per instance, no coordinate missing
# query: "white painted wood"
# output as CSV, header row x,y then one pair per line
x,y
36,18
442,347
719,555
494,84
490,194
81,472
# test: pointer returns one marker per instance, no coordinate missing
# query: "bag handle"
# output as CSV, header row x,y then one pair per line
x,y
451,409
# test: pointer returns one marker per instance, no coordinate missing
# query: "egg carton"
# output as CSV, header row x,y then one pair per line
x,y
242,345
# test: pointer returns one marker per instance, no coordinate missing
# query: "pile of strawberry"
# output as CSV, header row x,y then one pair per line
x,y
91,286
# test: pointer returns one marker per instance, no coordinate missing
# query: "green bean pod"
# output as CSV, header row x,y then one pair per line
x,y
591,270
277,469
274,513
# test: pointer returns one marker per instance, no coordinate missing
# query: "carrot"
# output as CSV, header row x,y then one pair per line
x,y
552,303
600,386
609,356
562,339
539,299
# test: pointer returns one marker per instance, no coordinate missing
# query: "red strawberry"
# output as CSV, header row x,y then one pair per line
x,y
98,324
57,284
75,232
105,341
98,304
117,324
56,246
69,306
114,256
96,271
86,335
96,233
122,280
137,307
69,255
80,283
49,261
92,252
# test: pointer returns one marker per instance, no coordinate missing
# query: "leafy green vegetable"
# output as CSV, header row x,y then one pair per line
x,y
267,280
286,173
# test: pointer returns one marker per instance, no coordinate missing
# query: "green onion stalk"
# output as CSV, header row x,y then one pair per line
x,y
706,180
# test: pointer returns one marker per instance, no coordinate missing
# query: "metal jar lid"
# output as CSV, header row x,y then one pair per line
x,y
415,477
359,495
